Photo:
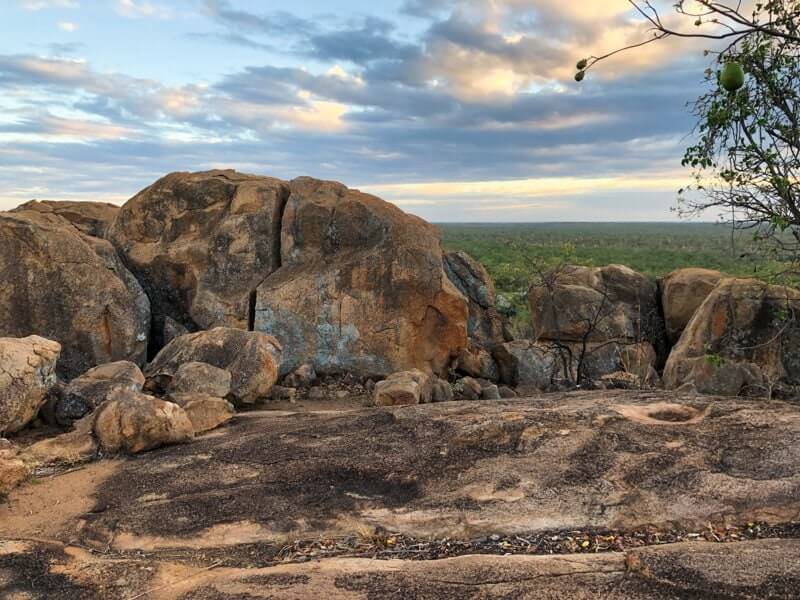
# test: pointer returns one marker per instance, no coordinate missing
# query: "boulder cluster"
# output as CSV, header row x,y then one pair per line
x,y
147,324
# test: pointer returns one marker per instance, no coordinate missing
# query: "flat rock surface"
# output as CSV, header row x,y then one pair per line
x,y
224,516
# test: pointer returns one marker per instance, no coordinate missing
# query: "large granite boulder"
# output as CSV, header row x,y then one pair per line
x,y
361,288
92,218
599,304
484,326
85,393
744,339
530,365
586,310
27,372
133,423
67,286
682,293
252,359
200,244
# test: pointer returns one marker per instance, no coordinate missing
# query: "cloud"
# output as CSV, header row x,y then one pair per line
x,y
471,112
136,9
42,4
68,26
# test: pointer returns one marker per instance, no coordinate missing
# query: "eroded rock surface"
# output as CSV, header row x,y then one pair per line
x,y
27,372
361,287
602,459
682,293
599,463
744,339
67,286
485,326
92,218
200,244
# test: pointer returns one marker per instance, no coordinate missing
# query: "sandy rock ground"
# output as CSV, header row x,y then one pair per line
x,y
583,495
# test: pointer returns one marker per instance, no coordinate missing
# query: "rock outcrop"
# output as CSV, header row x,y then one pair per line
x,y
744,339
682,293
86,393
484,326
347,282
133,423
527,364
252,359
584,311
27,372
64,285
599,304
200,244
92,218
361,287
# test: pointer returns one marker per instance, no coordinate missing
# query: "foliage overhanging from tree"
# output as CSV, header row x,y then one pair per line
x,y
747,153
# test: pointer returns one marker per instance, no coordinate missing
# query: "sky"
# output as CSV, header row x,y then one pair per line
x,y
455,110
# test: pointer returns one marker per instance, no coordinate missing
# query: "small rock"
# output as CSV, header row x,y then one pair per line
x,y
303,376
468,388
507,392
280,392
13,470
87,392
316,393
490,392
404,388
441,392
342,394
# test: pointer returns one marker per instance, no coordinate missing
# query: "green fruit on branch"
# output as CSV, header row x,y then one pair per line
x,y
732,77
582,64
580,75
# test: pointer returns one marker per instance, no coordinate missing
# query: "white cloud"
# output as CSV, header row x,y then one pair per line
x,y
134,9
41,4
68,26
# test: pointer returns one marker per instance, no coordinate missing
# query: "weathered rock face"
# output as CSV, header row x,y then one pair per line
x,y
525,363
27,372
70,287
609,303
470,277
558,462
744,339
610,308
361,288
200,244
131,422
206,412
251,358
92,218
85,393
682,293
484,326
200,378
404,388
